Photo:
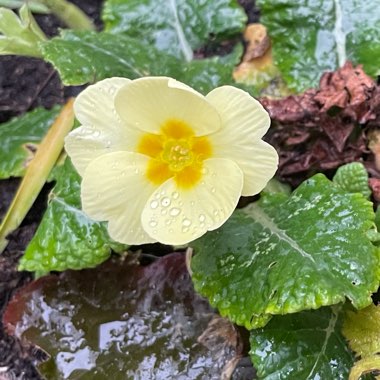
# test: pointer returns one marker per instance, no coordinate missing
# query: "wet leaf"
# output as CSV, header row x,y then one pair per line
x,y
19,140
103,55
307,345
123,321
286,253
319,130
66,238
310,37
176,27
353,178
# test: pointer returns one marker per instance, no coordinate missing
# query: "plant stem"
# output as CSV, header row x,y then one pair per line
x,y
70,14
37,172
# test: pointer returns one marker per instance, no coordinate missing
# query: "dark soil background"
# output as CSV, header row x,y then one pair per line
x,y
27,83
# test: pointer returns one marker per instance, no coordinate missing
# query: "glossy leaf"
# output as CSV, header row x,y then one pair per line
x,y
287,254
66,237
307,345
353,178
310,37
175,26
123,321
19,140
104,55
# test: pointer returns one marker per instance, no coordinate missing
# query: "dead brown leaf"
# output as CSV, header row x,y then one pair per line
x,y
322,128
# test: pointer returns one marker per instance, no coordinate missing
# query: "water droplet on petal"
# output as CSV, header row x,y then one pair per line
x,y
163,212
153,205
165,202
174,211
202,218
153,223
96,133
186,222
175,195
185,229
168,222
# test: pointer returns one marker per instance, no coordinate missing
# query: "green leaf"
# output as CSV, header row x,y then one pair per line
x,y
175,26
353,178
313,36
82,57
21,35
307,345
66,237
19,139
287,254
362,329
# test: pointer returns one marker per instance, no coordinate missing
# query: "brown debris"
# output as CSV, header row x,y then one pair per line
x,y
321,129
374,184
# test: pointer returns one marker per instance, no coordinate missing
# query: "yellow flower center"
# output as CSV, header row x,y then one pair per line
x,y
175,153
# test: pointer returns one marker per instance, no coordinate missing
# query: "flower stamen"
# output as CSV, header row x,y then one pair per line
x,y
175,153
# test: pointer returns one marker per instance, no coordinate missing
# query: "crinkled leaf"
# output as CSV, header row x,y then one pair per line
x,y
82,57
103,55
307,345
287,254
175,26
353,178
66,238
123,321
19,140
362,329
313,36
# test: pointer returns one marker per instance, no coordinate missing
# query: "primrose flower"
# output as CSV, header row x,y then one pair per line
x,y
161,162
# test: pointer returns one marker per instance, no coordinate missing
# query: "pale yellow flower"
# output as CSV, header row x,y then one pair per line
x,y
161,162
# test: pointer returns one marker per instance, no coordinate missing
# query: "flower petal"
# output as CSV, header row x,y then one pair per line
x,y
149,103
175,216
115,189
242,116
103,130
244,123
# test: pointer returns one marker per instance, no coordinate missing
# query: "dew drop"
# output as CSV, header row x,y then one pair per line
x,y
153,223
186,223
174,211
216,212
202,218
153,205
168,222
163,212
185,229
175,195
96,133
165,202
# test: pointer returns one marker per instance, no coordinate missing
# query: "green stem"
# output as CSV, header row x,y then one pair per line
x,y
37,172
70,14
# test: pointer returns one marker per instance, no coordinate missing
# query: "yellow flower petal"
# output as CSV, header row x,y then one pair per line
x,y
175,216
244,123
115,189
102,130
242,115
149,103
